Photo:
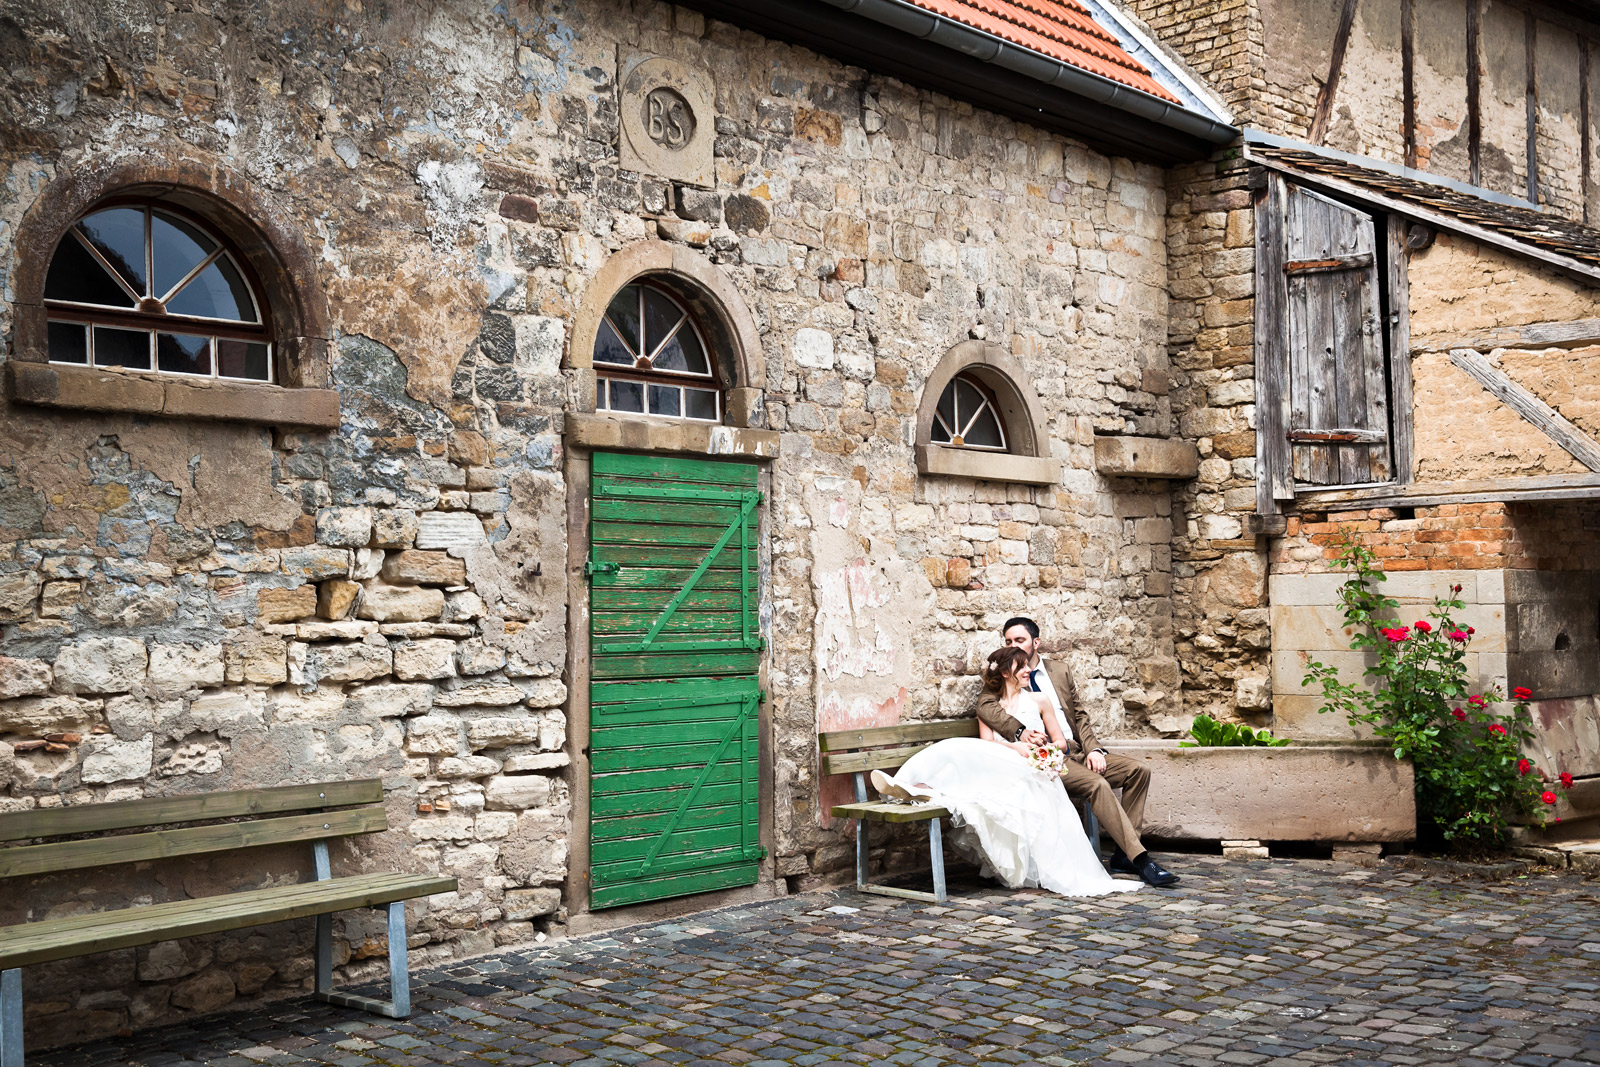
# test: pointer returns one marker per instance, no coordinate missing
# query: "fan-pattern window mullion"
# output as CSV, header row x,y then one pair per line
x,y
650,359
966,417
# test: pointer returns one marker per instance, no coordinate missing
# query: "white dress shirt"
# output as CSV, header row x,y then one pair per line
x,y
1042,684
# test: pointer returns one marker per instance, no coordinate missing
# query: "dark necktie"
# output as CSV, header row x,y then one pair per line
x,y
1033,680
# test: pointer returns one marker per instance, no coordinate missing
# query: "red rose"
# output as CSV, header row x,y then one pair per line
x,y
1477,702
1548,797
1470,630
1522,693
1422,626
1458,635
1566,780
1460,715
1523,766
1396,635
1455,589
1496,728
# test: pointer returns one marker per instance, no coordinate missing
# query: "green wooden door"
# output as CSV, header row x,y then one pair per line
x,y
674,641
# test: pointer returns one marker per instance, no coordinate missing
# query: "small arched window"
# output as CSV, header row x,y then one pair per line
x,y
141,287
968,416
651,359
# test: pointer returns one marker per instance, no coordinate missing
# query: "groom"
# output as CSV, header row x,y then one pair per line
x,y
1093,772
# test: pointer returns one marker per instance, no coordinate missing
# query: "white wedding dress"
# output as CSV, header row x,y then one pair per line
x,y
1016,822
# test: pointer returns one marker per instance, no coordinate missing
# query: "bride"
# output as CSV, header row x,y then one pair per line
x,y
1016,821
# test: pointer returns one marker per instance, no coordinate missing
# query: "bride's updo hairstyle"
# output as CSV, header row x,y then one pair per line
x,y
1001,663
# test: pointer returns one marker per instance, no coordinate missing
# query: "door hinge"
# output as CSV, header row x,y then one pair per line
x,y
591,568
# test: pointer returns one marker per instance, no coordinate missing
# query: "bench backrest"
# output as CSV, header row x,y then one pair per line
x,y
259,814
886,747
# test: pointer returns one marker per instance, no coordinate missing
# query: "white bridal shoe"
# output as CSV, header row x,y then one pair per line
x,y
889,790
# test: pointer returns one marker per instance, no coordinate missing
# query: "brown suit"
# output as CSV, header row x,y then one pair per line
x,y
1121,821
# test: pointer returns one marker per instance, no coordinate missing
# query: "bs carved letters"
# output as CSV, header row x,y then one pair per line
x,y
667,120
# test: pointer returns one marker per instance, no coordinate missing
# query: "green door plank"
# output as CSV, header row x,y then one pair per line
x,y
674,645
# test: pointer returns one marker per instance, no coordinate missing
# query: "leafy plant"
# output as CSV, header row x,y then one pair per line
x,y
1209,733
1472,781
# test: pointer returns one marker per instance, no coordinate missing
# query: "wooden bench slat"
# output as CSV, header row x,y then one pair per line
x,y
870,759
80,935
905,733
160,844
885,811
155,811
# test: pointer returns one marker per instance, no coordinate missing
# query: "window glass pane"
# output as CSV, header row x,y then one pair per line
x,y
984,431
946,410
118,234
183,353
218,292
121,348
608,347
665,400
77,276
627,396
243,359
968,400
660,316
700,404
682,353
69,342
600,394
177,248
624,315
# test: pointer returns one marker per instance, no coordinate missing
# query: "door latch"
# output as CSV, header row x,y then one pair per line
x,y
591,568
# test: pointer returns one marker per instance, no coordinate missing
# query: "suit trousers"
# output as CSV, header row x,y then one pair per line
x,y
1122,820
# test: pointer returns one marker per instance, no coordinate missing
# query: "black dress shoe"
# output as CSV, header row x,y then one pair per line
x,y
1120,863
1153,873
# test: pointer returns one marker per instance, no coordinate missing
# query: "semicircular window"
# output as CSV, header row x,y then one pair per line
x,y
141,287
651,359
967,416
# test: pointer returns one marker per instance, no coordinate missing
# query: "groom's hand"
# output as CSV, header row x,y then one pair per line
x,y
1034,737
1096,762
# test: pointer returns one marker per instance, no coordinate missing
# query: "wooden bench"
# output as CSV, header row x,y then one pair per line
x,y
275,816
886,748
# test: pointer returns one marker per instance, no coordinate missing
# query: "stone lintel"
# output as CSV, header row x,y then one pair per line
x,y
643,434
88,389
1146,457
989,466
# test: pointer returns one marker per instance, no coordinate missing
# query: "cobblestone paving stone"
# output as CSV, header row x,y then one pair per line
x,y
1297,962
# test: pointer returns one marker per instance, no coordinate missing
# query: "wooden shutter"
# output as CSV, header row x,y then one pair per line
x,y
1324,380
674,696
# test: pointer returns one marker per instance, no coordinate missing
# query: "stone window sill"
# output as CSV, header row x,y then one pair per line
x,y
643,434
988,466
87,389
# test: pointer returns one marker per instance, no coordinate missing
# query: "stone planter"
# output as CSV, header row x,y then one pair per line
x,y
1334,791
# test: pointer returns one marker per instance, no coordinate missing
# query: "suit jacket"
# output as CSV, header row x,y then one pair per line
x,y
1004,724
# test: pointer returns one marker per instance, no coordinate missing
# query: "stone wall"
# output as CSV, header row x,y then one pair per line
x,y
187,606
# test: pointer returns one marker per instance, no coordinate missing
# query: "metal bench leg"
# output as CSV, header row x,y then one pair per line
x,y
936,853
399,1006
11,1018
861,853
1091,829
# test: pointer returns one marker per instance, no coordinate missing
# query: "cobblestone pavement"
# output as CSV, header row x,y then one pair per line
x,y
1244,962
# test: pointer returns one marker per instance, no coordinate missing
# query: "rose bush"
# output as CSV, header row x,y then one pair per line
x,y
1472,779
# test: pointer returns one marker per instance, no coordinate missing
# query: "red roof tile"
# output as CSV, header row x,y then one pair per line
x,y
1060,29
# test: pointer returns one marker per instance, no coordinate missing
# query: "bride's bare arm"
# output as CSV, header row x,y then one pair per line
x,y
989,735
1052,726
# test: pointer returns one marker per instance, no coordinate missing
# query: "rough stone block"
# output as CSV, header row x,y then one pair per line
x,y
547,693
101,665
336,598
345,662
256,659
415,567
396,528
518,792
478,656
107,758
433,735
389,603
1146,457
425,660
286,605
346,527
176,668
449,529
392,700
225,714
18,594
37,716
59,599
316,563
498,732
524,904
23,677
536,761
1252,694
467,767
481,695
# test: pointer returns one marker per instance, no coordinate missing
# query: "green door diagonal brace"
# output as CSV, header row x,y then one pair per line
x,y
736,730
739,525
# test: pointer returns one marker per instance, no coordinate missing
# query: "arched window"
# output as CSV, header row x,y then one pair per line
x,y
967,416
141,287
651,359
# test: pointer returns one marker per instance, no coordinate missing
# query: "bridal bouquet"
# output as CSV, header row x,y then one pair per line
x,y
1049,759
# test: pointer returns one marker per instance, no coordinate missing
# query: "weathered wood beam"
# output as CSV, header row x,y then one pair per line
x,y
1585,135
1530,38
1550,421
1341,41
1574,334
1408,70
1314,266
1474,77
1428,494
1274,474
1397,337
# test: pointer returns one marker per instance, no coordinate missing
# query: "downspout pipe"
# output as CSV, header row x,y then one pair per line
x,y
919,22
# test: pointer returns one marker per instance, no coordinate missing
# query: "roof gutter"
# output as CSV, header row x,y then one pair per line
x,y
918,22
